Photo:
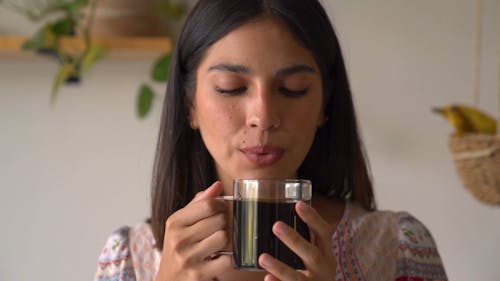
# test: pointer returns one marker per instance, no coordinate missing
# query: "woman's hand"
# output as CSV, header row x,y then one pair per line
x,y
318,259
192,235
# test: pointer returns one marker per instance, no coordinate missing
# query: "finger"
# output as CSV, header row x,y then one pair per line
x,y
278,269
321,229
184,239
195,212
206,227
210,246
270,277
308,252
212,191
215,267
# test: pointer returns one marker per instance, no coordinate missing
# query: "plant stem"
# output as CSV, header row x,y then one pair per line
x,y
87,32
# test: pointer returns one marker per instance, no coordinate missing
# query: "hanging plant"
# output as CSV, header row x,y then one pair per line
x,y
475,143
65,21
172,11
159,73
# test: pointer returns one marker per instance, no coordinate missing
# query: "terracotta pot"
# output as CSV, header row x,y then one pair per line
x,y
127,18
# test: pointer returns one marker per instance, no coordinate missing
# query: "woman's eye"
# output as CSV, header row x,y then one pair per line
x,y
235,91
293,93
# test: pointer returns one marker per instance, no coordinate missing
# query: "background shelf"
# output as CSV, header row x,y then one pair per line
x,y
117,47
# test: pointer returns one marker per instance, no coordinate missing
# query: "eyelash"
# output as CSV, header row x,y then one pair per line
x,y
283,90
232,92
293,93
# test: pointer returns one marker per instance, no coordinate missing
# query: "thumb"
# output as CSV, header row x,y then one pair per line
x,y
212,191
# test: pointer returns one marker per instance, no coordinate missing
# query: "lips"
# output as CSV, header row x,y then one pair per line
x,y
264,155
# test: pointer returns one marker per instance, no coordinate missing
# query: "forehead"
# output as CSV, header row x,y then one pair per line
x,y
265,41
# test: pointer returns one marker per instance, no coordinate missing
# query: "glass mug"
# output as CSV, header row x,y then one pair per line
x,y
257,205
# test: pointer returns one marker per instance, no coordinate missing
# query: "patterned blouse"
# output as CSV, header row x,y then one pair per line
x,y
379,245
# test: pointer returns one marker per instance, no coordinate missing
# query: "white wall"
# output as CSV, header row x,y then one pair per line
x,y
71,174
405,57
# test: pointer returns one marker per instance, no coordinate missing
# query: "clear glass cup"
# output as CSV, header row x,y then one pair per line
x,y
257,205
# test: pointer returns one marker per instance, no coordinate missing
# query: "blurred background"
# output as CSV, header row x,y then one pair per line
x,y
74,169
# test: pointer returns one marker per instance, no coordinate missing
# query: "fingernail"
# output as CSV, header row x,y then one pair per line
x,y
265,260
302,206
212,186
280,228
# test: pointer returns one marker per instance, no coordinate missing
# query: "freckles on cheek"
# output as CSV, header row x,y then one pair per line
x,y
228,113
244,139
221,119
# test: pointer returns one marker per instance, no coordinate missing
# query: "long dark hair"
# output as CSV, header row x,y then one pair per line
x,y
183,166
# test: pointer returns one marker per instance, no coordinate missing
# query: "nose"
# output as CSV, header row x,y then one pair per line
x,y
263,111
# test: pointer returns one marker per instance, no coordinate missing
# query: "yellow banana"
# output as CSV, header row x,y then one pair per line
x,y
467,119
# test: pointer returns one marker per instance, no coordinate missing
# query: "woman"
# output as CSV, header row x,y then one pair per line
x,y
258,89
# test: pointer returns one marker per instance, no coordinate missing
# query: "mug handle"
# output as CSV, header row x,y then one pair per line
x,y
226,197
219,253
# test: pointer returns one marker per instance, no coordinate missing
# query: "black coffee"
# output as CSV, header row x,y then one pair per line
x,y
253,222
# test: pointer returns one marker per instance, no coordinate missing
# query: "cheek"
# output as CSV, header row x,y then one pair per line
x,y
308,116
216,117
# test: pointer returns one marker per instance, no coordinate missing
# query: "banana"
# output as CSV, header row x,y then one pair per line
x,y
467,119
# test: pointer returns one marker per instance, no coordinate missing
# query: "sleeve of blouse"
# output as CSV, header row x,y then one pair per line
x,y
115,262
418,256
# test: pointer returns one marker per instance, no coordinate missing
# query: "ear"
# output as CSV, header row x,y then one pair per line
x,y
193,118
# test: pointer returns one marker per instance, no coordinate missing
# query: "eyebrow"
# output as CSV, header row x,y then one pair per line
x,y
236,68
241,69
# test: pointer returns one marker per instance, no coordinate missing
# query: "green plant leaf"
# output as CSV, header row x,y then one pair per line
x,y
145,100
49,37
31,44
161,68
94,54
64,26
81,3
66,70
72,9
45,38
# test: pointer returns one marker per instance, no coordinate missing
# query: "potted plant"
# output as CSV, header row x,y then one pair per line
x,y
173,12
76,17
65,20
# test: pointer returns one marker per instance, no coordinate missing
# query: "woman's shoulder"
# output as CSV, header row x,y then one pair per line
x,y
406,227
127,252
145,256
114,261
116,247
142,234
408,246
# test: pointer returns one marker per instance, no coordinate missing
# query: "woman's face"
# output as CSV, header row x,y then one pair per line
x,y
258,102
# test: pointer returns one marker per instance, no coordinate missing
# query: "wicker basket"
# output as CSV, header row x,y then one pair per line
x,y
477,156
477,161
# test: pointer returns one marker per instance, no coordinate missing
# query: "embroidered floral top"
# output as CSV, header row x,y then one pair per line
x,y
368,246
